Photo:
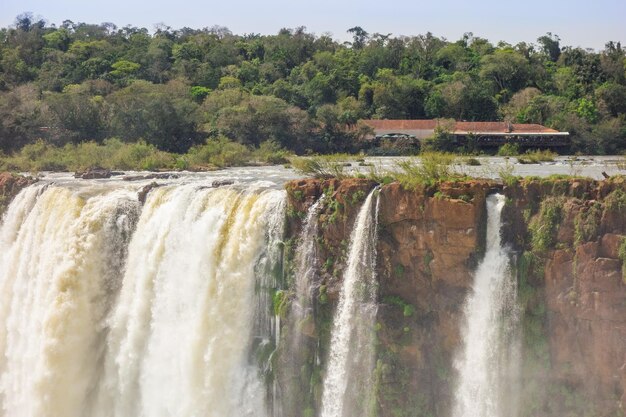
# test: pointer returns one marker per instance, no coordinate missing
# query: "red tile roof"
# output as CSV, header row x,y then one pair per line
x,y
460,127
401,124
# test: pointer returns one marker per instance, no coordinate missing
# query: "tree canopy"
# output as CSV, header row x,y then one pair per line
x,y
176,88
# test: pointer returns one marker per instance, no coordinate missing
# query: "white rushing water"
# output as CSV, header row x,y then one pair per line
x,y
295,350
96,323
488,363
306,270
347,384
61,259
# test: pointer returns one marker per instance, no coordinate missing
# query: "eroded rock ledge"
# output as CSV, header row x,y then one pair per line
x,y
10,186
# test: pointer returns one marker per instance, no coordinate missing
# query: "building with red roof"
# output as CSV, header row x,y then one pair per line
x,y
484,134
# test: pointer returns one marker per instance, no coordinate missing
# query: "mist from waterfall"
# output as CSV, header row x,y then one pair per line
x,y
488,363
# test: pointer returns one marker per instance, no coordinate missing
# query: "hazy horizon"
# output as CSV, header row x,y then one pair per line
x,y
577,23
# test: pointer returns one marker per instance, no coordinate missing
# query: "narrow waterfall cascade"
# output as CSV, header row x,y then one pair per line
x,y
300,313
488,363
266,325
268,269
348,381
114,309
306,270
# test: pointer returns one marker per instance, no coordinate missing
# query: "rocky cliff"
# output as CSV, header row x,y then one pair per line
x,y
565,237
10,186
569,235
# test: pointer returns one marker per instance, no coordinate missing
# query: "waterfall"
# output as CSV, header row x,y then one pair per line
x,y
296,351
488,363
266,331
347,383
110,309
306,271
62,256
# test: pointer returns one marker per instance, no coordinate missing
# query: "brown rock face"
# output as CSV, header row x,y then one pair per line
x,y
586,300
93,173
10,186
342,200
428,244
582,288
567,236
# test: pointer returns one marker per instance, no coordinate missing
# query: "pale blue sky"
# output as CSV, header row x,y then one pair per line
x,y
588,23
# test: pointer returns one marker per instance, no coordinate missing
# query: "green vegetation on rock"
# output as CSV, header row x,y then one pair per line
x,y
116,154
544,226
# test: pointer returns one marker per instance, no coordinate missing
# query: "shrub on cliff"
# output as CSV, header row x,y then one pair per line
x,y
543,227
331,166
429,169
535,157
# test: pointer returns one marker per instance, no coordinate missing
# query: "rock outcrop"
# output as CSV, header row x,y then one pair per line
x,y
566,240
429,242
10,186
572,231
94,173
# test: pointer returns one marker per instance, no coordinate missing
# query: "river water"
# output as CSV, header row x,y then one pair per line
x,y
491,167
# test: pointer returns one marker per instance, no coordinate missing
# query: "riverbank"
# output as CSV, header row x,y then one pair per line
x,y
140,156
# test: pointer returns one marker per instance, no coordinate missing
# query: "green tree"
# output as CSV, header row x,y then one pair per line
x,y
462,98
339,130
613,96
79,115
156,63
23,117
396,97
359,37
610,135
123,71
419,55
507,68
567,84
516,109
584,65
162,115
15,70
586,109
613,62
58,39
550,46
455,57
255,119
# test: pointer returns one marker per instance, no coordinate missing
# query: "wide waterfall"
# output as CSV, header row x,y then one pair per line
x,y
347,384
114,309
488,363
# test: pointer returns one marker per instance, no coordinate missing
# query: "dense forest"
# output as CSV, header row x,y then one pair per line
x,y
178,88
